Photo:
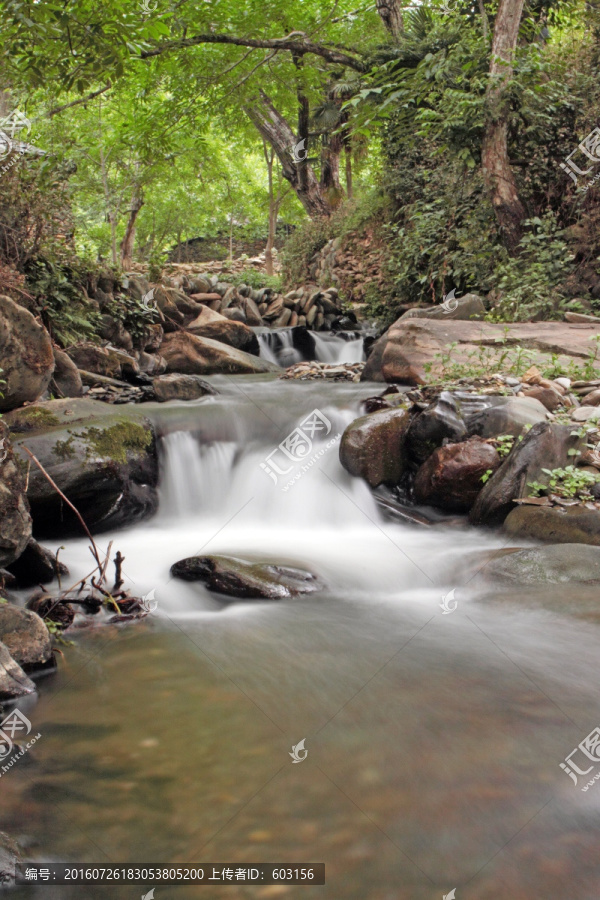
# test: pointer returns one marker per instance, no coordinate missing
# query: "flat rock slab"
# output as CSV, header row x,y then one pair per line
x,y
576,524
243,580
401,354
552,564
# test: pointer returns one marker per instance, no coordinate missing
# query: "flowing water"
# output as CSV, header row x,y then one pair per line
x,y
433,740
277,345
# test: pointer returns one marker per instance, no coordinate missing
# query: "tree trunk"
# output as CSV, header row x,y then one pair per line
x,y
390,13
269,158
274,129
128,241
348,157
330,164
497,173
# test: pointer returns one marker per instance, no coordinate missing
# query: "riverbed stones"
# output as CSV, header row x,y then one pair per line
x,y
553,564
180,387
573,525
193,355
373,447
245,580
103,459
451,478
13,680
26,357
15,519
546,446
25,636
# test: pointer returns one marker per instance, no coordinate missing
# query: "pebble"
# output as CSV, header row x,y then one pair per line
x,y
309,371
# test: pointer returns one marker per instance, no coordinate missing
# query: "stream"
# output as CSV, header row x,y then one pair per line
x,y
433,740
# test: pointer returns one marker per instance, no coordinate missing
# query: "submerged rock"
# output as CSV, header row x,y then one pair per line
x,y
552,564
26,356
246,580
373,446
25,636
13,680
451,478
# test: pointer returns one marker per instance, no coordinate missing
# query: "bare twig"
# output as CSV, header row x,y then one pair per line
x,y
119,560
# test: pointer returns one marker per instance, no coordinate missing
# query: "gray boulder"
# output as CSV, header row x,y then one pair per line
x,y
442,420
15,520
511,417
13,680
573,525
180,387
373,446
25,636
245,580
66,380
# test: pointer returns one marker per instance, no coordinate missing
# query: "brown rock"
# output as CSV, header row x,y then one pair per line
x,y
451,478
103,360
180,387
574,525
15,520
547,396
26,357
194,355
213,325
66,380
373,446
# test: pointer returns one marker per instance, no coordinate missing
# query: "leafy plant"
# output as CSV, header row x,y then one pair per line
x,y
570,483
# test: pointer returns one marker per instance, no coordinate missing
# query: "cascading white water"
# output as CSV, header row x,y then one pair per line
x,y
333,349
277,346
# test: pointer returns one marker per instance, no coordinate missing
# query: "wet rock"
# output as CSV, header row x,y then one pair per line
x,y
213,325
25,636
246,580
470,306
442,420
546,446
104,460
26,356
66,380
13,680
36,565
193,355
373,447
15,520
573,525
451,478
511,417
554,564
180,387
51,609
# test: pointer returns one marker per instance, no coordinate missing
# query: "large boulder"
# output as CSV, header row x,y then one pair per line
x,y
410,344
512,417
25,636
180,387
13,680
102,457
36,565
66,380
469,307
213,325
546,446
193,355
373,446
26,358
451,478
246,580
442,420
573,525
107,361
15,520
553,564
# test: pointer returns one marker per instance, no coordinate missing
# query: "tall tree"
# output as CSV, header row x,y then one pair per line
x,y
497,171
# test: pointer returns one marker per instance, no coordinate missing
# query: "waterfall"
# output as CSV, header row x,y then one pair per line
x,y
336,348
278,346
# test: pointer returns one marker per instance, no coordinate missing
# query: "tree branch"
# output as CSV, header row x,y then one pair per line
x,y
296,42
59,109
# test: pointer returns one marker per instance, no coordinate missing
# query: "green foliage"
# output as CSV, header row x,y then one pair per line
x,y
66,313
569,483
255,279
301,246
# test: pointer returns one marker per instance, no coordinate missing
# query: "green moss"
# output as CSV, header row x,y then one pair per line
x,y
31,418
118,440
65,449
